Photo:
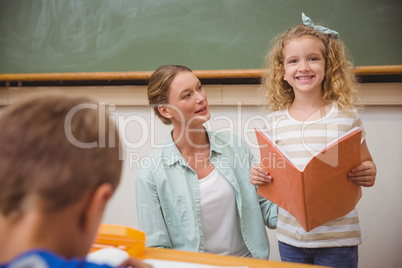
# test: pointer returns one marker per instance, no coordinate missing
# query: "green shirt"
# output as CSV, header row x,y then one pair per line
x,y
168,196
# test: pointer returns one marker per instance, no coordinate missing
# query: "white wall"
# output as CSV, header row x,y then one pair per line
x,y
379,209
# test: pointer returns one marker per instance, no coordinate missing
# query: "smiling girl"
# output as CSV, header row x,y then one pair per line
x,y
311,90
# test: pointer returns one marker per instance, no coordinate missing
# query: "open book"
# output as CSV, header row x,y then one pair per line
x,y
322,191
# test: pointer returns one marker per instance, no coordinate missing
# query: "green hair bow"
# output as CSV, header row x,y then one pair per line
x,y
309,23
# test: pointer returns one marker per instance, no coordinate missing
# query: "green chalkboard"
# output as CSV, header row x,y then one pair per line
x,y
46,36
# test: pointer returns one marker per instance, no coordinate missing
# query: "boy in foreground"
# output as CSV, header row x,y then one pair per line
x,y
59,166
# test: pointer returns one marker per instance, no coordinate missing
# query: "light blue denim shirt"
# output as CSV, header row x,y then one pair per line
x,y
168,196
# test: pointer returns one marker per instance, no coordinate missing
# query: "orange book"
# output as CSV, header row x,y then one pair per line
x,y
319,193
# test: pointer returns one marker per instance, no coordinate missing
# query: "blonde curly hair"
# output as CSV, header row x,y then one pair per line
x,y
339,84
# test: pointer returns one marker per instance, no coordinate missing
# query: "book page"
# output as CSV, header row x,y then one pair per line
x,y
179,264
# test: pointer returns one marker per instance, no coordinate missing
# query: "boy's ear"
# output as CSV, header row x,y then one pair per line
x,y
164,111
92,213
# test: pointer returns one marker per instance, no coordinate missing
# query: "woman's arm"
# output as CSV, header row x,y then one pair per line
x,y
269,211
149,211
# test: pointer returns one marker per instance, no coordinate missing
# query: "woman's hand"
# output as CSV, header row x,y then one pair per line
x,y
364,174
259,176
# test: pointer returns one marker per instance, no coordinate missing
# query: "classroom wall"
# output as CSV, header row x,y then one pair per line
x,y
379,208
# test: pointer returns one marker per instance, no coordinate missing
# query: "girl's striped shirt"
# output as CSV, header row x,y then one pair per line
x,y
300,141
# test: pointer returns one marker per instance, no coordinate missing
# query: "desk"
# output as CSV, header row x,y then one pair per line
x,y
212,259
133,241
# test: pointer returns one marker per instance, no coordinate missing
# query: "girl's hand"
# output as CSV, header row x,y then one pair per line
x,y
364,174
259,176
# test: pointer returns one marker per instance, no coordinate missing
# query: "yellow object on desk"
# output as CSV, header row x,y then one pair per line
x,y
120,236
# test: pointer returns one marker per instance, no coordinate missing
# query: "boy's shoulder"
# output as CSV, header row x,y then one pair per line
x,y
46,259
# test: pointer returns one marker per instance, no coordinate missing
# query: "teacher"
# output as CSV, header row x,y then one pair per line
x,y
196,195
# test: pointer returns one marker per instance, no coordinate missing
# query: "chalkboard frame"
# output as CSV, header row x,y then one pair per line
x,y
365,74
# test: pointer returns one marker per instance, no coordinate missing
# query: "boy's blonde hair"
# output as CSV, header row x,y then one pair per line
x,y
339,84
159,85
40,166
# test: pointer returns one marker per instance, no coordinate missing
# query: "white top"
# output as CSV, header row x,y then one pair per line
x,y
300,141
219,217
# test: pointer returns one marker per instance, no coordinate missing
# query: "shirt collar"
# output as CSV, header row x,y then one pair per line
x,y
173,155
